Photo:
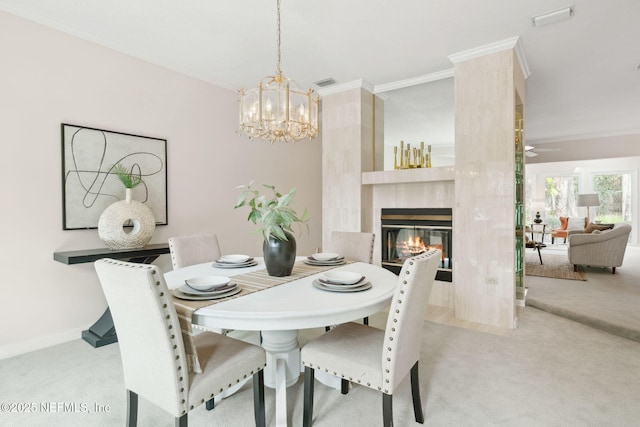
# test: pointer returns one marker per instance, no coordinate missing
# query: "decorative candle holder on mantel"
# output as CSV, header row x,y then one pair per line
x,y
411,158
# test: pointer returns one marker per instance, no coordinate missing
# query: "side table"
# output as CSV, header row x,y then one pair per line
x,y
538,228
102,332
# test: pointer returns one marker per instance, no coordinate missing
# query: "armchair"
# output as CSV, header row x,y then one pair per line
x,y
601,248
566,224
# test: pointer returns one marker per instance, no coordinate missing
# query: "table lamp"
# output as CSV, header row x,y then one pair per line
x,y
588,200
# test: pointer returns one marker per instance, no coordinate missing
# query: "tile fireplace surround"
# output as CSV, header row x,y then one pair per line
x,y
426,188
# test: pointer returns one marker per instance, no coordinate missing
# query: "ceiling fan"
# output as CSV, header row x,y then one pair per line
x,y
529,150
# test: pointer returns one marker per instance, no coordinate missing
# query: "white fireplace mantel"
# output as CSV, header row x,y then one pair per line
x,y
406,176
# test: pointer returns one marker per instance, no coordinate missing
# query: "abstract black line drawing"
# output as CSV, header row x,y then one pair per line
x,y
89,184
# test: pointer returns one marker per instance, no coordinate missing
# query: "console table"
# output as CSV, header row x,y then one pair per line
x,y
102,332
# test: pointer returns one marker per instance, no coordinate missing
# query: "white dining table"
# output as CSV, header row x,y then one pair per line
x,y
280,311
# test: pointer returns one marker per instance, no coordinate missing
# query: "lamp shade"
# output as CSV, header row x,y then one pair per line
x,y
588,200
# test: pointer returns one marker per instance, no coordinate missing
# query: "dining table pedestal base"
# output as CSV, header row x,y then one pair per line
x,y
283,367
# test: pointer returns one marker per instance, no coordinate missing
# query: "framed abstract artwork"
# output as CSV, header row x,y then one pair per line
x,y
89,184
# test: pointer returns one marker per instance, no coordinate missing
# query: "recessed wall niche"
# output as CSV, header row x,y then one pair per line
x,y
419,113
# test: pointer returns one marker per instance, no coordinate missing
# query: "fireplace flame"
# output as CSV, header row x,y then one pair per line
x,y
415,246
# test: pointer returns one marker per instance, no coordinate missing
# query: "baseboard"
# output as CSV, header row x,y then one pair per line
x,y
39,343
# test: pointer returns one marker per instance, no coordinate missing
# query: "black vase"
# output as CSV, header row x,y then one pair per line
x,y
279,255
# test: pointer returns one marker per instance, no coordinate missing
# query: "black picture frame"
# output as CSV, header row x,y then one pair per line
x,y
89,185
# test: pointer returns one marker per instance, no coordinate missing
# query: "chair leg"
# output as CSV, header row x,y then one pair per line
x,y
258,398
344,386
307,416
182,421
387,410
415,393
613,270
210,404
132,409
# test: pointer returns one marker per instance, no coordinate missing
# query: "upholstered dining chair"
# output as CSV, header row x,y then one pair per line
x,y
194,249
378,359
153,351
354,246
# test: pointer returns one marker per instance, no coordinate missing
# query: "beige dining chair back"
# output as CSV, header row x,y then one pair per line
x,y
152,348
375,358
194,249
354,246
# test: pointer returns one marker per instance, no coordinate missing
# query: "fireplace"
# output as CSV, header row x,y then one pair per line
x,y
409,232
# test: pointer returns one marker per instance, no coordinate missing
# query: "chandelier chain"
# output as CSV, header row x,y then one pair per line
x,y
278,71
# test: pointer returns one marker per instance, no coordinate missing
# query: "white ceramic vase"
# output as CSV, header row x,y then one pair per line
x,y
112,222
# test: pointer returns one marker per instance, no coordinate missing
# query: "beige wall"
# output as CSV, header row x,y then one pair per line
x,y
47,78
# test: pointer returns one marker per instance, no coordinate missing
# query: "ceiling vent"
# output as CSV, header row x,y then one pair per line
x,y
553,16
325,82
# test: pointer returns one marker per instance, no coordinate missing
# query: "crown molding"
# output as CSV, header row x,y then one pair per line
x,y
510,43
583,137
426,78
343,87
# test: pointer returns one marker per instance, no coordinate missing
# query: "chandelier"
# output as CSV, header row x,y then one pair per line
x,y
278,110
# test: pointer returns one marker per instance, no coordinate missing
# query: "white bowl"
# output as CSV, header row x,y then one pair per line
x,y
343,277
235,258
207,283
325,256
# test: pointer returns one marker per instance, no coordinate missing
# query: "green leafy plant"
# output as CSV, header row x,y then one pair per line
x,y
274,213
128,178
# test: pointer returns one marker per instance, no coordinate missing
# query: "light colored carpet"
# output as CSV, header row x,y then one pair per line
x,y
548,372
605,301
554,266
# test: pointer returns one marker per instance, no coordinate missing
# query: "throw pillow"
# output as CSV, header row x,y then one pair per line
x,y
592,227
575,223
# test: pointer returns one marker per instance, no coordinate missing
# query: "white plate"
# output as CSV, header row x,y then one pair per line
x,y
181,295
342,288
234,259
185,289
325,256
342,277
250,263
207,283
311,261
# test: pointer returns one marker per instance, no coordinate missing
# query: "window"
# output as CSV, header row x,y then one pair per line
x,y
614,193
560,195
